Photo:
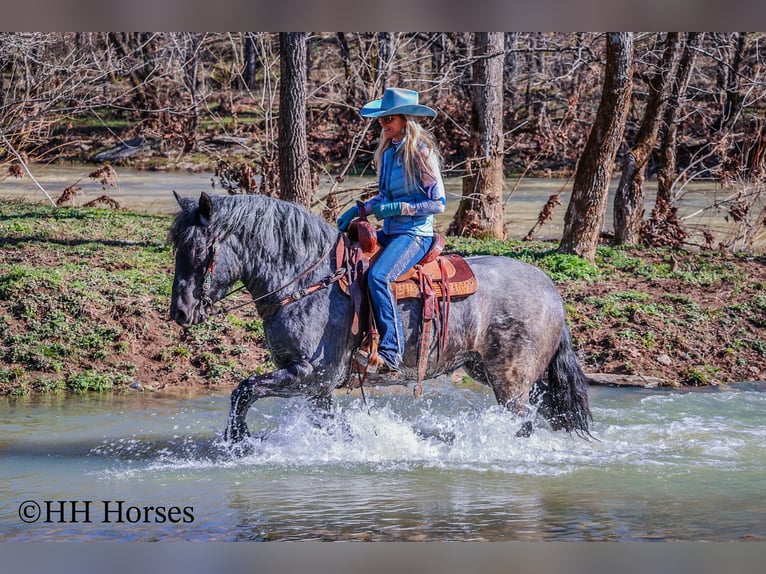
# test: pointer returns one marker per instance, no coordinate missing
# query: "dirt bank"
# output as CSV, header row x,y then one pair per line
x,y
84,296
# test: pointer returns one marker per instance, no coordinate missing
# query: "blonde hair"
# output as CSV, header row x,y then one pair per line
x,y
418,146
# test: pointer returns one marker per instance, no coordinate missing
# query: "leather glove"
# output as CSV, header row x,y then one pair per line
x,y
348,216
384,210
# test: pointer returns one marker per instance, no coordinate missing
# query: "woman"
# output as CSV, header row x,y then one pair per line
x,y
410,192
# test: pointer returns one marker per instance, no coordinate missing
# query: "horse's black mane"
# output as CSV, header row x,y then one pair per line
x,y
271,228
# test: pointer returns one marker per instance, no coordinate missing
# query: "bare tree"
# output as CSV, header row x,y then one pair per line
x,y
629,199
385,54
294,169
137,62
585,213
662,225
252,59
480,213
191,43
730,79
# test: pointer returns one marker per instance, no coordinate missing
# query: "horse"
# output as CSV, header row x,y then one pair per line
x,y
511,335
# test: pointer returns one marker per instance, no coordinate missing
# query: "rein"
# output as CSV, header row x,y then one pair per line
x,y
273,308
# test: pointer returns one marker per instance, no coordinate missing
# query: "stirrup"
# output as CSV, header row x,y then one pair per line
x,y
374,364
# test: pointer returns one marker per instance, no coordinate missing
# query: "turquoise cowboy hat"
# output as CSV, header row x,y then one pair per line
x,y
396,101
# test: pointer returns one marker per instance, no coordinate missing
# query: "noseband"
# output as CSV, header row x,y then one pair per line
x,y
207,277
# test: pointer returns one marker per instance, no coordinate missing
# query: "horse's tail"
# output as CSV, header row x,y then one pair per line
x,y
563,395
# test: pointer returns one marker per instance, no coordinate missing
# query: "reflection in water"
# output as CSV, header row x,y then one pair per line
x,y
446,467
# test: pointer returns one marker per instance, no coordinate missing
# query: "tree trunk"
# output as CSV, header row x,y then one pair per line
x,y
464,52
732,101
663,227
629,199
294,170
385,53
511,63
585,213
480,213
348,69
667,171
252,62
191,46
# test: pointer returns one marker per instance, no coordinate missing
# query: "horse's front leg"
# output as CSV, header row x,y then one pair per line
x,y
282,382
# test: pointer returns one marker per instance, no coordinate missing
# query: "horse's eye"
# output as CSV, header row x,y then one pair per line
x,y
198,251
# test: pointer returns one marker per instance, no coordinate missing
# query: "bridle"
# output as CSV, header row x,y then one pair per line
x,y
207,280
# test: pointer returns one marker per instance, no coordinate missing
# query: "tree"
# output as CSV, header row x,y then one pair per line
x,y
629,199
294,169
730,78
585,213
191,43
252,60
137,53
661,225
480,213
385,54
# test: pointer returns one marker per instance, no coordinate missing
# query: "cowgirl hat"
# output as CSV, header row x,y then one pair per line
x,y
396,101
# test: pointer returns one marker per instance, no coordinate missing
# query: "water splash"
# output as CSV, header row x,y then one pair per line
x,y
444,433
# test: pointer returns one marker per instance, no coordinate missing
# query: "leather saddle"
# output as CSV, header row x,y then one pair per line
x,y
448,272
436,279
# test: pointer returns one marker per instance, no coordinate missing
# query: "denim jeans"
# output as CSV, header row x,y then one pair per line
x,y
400,252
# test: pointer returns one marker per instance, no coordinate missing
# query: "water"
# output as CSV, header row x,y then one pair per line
x,y
665,465
151,191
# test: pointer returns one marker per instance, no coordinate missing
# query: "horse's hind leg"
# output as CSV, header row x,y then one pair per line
x,y
511,380
282,382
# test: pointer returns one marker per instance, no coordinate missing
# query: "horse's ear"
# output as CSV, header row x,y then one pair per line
x,y
205,208
184,202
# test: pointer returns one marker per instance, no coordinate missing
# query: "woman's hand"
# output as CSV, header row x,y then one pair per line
x,y
348,216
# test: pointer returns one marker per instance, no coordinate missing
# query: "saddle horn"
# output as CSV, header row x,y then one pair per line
x,y
362,231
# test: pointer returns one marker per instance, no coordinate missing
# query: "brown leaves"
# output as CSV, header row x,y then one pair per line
x,y
546,214
103,200
68,195
740,209
15,170
663,228
242,177
331,210
105,175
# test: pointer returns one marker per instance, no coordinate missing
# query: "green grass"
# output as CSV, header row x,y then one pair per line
x,y
558,266
84,296
65,276
628,304
80,292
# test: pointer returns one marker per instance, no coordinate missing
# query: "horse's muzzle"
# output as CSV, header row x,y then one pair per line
x,y
186,315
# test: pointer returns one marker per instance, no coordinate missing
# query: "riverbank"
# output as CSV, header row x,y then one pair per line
x,y
84,296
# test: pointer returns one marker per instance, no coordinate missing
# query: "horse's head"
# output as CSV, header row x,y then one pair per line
x,y
202,275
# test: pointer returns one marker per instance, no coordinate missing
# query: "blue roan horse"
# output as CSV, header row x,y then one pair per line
x,y
511,335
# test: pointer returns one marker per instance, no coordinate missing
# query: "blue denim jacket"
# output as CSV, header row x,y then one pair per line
x,y
426,200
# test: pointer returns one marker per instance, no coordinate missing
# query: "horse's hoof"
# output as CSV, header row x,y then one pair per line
x,y
525,431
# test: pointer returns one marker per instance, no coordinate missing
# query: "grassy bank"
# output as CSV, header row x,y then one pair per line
x,y
84,295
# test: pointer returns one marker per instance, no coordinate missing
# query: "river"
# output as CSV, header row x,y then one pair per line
x,y
151,191
662,465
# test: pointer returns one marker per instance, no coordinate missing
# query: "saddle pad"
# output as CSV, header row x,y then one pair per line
x,y
459,274
462,281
